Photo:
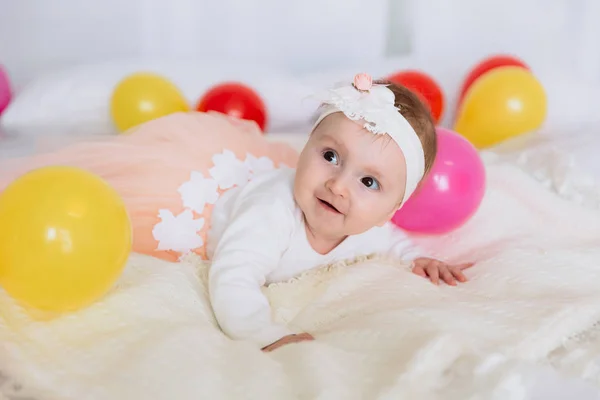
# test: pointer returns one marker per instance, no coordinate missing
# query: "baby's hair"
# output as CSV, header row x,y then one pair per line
x,y
418,116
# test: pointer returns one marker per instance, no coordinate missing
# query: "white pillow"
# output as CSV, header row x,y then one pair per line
x,y
79,97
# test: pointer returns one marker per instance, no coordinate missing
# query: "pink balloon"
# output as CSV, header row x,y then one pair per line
x,y
5,91
451,193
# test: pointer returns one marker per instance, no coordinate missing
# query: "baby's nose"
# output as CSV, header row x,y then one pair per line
x,y
337,186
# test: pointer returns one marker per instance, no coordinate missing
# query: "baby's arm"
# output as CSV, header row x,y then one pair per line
x,y
403,247
249,249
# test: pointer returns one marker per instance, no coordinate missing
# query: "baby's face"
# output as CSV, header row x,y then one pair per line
x,y
348,180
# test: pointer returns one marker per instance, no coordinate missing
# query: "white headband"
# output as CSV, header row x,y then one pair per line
x,y
375,105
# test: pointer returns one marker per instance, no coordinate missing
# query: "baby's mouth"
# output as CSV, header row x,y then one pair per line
x,y
329,206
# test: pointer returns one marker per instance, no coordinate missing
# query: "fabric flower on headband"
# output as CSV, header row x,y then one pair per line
x,y
361,100
363,82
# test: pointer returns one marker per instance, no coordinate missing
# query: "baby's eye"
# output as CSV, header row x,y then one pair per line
x,y
330,156
371,183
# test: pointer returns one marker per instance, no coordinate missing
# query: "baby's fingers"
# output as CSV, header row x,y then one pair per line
x,y
458,274
419,271
447,276
434,274
464,266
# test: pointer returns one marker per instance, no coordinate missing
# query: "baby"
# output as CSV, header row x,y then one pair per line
x,y
368,151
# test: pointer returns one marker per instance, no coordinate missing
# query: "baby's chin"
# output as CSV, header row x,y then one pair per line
x,y
326,230
323,229
356,229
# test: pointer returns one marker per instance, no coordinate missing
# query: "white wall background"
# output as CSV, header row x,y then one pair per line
x,y
298,35
560,39
560,34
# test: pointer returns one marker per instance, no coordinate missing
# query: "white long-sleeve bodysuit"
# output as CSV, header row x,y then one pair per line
x,y
258,236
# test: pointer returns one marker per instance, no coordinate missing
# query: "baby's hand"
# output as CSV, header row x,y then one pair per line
x,y
434,270
301,337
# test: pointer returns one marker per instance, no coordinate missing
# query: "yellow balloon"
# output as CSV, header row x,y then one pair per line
x,y
503,103
65,238
143,97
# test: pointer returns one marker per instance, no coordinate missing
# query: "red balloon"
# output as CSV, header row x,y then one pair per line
x,y
425,87
486,65
237,100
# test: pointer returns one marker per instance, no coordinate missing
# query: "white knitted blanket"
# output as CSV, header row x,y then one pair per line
x,y
381,332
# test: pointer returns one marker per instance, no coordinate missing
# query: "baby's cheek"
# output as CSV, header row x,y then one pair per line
x,y
314,172
364,212
374,211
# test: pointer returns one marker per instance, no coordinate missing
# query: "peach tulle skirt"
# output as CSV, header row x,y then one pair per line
x,y
149,164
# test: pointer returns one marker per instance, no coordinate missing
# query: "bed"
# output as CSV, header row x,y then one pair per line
x,y
526,327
